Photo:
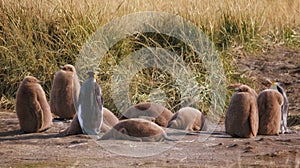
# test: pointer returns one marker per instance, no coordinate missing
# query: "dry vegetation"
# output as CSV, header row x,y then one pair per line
x,y
36,37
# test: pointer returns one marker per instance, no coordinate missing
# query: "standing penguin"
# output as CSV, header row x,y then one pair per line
x,y
90,106
109,120
242,114
284,108
32,108
269,104
64,92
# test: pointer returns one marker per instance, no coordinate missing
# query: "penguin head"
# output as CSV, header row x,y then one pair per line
x,y
242,88
274,86
274,83
91,74
68,67
31,79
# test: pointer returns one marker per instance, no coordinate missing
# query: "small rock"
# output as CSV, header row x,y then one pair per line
x,y
232,145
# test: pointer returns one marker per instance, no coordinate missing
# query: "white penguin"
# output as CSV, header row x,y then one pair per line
x,y
90,106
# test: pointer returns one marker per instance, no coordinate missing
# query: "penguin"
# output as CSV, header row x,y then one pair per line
x,y
241,118
90,106
284,108
188,118
32,108
148,110
109,120
65,92
269,104
137,129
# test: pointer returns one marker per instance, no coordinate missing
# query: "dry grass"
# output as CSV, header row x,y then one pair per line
x,y
36,37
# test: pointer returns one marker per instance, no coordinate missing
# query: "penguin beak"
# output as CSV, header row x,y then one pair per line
x,y
274,84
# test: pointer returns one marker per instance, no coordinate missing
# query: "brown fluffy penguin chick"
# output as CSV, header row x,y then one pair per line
x,y
109,120
64,92
32,108
242,114
157,112
136,129
269,107
188,118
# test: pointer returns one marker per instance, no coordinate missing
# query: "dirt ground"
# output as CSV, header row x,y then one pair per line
x,y
207,149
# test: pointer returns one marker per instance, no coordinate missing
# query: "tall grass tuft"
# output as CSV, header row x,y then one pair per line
x,y
36,37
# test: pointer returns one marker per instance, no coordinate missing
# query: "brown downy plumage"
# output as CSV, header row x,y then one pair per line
x,y
32,108
242,114
269,107
109,120
136,129
160,114
64,92
189,119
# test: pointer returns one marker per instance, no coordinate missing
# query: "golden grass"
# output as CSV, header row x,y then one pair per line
x,y
36,37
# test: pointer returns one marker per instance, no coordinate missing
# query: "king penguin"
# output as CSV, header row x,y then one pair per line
x,y
90,106
32,108
64,92
284,108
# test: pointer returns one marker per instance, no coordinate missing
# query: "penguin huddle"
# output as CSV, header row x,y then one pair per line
x,y
35,113
84,105
250,114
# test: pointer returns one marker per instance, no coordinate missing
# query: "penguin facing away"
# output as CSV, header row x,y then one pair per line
x,y
241,118
90,106
32,108
64,92
269,104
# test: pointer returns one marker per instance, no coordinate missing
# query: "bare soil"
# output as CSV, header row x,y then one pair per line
x,y
206,149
